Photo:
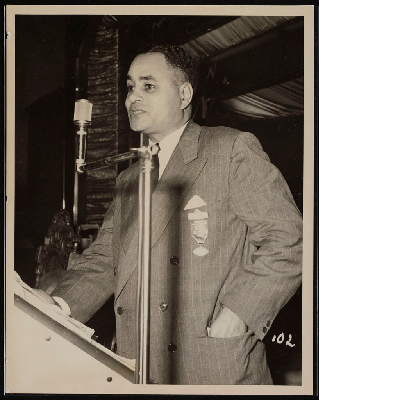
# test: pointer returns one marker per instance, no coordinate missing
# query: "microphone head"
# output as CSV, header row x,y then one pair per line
x,y
83,110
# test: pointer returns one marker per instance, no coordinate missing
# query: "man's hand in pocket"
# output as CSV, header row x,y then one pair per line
x,y
227,324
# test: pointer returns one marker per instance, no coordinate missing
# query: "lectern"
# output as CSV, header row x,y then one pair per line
x,y
52,355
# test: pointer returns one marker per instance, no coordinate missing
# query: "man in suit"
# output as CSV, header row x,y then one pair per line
x,y
226,245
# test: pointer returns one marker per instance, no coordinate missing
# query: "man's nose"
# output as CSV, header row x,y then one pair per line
x,y
133,96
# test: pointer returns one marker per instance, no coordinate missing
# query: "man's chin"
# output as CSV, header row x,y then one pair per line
x,y
138,127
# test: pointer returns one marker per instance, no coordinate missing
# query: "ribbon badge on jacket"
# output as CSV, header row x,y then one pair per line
x,y
199,225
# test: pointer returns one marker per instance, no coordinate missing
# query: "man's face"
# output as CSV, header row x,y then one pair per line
x,y
154,101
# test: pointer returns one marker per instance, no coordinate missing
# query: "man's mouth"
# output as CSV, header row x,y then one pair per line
x,y
137,112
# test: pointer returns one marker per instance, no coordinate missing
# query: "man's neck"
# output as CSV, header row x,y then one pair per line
x,y
157,137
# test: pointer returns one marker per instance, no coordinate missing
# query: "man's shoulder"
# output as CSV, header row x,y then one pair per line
x,y
220,131
226,136
218,136
219,139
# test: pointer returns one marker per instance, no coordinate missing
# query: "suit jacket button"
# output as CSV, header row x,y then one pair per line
x,y
174,260
265,329
115,271
172,348
120,310
163,306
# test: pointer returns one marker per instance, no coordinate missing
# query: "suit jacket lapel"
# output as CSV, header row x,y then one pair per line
x,y
182,169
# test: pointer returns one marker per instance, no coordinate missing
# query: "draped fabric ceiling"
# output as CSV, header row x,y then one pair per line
x,y
279,100
276,101
234,32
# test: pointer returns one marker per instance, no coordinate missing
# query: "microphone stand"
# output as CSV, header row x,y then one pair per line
x,y
145,155
131,154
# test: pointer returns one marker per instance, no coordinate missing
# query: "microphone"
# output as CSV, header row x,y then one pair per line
x,y
82,119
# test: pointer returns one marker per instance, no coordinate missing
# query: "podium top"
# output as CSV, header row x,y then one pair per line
x,y
69,329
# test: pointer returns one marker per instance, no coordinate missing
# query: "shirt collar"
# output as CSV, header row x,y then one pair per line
x,y
167,146
172,139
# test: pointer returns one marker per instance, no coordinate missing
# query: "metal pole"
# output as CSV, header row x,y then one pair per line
x,y
144,261
147,169
139,281
75,205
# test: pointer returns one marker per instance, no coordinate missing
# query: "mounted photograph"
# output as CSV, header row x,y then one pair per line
x,y
160,200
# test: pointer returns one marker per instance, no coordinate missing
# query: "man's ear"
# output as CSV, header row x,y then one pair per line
x,y
186,93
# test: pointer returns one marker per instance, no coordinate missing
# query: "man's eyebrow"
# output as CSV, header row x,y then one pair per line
x,y
147,78
142,78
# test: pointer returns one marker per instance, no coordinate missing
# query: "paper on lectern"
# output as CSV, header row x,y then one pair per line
x,y
24,291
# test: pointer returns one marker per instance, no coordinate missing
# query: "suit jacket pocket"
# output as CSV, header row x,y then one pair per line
x,y
233,361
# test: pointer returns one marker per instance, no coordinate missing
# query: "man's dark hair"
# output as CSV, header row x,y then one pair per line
x,y
178,59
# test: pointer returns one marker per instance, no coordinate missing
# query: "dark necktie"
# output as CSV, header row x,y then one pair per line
x,y
155,172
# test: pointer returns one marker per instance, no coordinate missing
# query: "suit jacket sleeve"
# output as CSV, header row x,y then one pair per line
x,y
89,283
259,196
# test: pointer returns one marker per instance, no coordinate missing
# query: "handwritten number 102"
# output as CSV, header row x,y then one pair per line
x,y
281,338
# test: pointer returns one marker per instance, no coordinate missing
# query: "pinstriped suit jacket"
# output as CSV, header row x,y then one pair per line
x,y
253,266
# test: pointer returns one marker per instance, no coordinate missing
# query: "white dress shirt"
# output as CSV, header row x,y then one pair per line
x,y
167,147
